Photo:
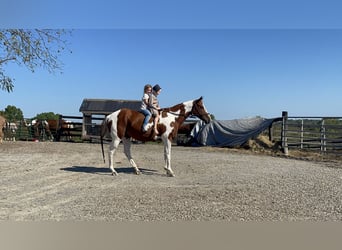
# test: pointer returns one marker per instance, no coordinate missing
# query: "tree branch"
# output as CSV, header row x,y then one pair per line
x,y
7,59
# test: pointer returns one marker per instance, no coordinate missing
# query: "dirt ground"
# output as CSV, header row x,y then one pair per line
x,y
60,181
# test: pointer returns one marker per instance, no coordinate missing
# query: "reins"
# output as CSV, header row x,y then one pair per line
x,y
173,113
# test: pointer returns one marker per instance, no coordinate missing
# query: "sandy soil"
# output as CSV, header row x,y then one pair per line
x,y
59,181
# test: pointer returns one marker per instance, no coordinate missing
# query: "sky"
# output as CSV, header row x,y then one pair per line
x,y
245,59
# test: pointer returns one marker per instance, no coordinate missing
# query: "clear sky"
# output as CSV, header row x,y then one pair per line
x,y
245,59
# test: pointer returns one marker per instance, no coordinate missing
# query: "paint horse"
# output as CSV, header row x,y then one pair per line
x,y
124,124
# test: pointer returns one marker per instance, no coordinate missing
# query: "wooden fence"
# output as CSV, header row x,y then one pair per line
x,y
322,134
70,131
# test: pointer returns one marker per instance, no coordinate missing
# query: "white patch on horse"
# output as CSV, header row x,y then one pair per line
x,y
167,121
188,106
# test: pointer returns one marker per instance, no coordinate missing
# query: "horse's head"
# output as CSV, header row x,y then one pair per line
x,y
199,110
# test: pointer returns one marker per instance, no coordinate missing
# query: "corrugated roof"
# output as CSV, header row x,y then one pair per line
x,y
107,106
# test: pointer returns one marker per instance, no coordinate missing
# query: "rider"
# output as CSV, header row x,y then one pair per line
x,y
154,106
144,106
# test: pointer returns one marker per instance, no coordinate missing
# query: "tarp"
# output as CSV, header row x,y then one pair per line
x,y
229,133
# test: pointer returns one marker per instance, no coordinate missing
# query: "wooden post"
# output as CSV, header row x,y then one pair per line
x,y
302,134
283,133
270,132
59,128
86,126
323,138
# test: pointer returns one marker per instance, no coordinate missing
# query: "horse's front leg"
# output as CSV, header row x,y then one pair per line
x,y
167,157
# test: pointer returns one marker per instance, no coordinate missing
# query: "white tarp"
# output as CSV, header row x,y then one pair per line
x,y
229,133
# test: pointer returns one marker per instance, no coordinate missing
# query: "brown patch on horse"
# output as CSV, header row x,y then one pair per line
x,y
161,128
130,123
174,131
109,125
173,110
122,123
163,114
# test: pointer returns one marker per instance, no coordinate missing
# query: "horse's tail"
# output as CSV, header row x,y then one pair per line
x,y
103,133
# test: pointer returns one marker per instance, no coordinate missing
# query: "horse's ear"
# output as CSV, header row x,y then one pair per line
x,y
200,98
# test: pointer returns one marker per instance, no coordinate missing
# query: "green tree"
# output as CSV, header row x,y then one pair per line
x,y
12,113
32,48
47,116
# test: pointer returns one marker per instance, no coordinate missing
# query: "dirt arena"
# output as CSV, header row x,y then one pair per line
x,y
58,181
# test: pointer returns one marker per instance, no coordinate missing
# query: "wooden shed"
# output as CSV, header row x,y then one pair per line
x,y
95,110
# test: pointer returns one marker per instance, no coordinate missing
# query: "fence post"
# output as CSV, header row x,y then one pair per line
x,y
270,132
323,137
59,128
302,134
86,126
283,133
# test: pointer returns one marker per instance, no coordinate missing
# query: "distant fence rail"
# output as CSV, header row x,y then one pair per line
x,y
323,134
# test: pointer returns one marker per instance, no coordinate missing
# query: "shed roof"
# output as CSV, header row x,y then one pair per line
x,y
107,106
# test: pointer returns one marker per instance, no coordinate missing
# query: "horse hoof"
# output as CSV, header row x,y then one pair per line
x,y
170,174
114,173
137,172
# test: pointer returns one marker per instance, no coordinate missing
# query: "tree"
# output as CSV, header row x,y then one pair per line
x,y
47,116
32,48
12,113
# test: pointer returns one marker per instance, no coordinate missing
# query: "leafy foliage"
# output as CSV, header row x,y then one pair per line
x,y
12,113
47,116
31,48
6,82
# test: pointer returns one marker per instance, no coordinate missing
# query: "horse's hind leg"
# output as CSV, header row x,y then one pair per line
x,y
127,150
112,148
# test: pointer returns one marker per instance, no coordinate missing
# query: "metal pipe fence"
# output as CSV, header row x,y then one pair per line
x,y
323,134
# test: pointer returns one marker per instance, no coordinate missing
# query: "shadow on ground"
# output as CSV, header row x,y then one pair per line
x,y
97,170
